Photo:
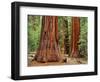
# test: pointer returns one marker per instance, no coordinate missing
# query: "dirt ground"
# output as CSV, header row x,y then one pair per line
x,y
69,61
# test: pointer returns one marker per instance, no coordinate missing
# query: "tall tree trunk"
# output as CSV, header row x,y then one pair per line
x,y
48,50
75,36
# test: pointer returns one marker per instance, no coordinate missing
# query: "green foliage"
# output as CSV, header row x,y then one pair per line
x,y
33,32
64,29
83,36
60,30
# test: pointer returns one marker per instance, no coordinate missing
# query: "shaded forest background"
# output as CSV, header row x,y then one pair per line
x,y
64,30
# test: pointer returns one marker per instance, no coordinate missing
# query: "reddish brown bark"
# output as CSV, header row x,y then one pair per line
x,y
48,50
75,36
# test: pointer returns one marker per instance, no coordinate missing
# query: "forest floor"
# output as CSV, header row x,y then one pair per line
x,y
69,61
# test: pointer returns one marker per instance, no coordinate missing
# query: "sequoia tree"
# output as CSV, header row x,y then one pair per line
x,y
48,50
75,36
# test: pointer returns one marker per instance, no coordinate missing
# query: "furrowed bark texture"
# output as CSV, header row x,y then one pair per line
x,y
75,36
48,50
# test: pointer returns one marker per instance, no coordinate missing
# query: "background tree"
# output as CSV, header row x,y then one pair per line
x,y
66,35
75,36
63,34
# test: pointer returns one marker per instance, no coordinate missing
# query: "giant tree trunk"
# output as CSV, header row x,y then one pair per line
x,y
48,50
75,36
